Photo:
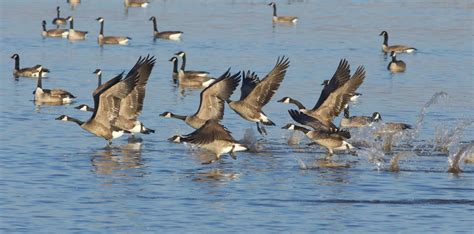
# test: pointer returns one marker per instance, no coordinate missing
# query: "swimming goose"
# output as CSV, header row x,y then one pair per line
x,y
172,35
330,138
51,95
132,105
107,99
57,32
215,138
396,65
188,72
136,3
281,19
75,34
189,79
27,71
120,40
396,48
335,95
212,101
358,121
257,93
58,20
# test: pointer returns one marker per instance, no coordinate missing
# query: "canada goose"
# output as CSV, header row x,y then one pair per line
x,y
189,79
107,103
281,19
58,20
354,96
215,138
396,65
330,138
357,121
131,105
172,35
334,96
212,101
51,95
257,93
98,72
396,48
27,71
75,34
110,39
136,3
57,32
188,72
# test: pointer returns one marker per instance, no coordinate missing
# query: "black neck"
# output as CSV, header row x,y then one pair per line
x,y
99,77
155,29
274,10
75,120
57,10
183,65
394,58
175,66
385,38
298,104
299,128
346,113
39,84
71,24
181,117
17,63
101,28
44,28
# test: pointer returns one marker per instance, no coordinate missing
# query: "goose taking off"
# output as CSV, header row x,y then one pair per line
x,y
397,48
396,65
57,32
334,96
132,105
27,71
107,105
330,138
58,96
212,101
112,40
213,137
282,19
257,93
171,35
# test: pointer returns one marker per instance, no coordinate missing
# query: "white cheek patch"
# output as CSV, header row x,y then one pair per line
x,y
292,127
287,100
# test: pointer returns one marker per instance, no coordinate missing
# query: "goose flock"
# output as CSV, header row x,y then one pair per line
x,y
119,101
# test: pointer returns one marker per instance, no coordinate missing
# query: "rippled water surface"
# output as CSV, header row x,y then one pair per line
x,y
56,177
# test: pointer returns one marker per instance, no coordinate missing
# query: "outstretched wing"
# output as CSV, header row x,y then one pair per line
x,y
340,77
249,81
208,133
307,120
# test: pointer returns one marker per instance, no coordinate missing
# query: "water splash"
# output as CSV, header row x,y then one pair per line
x,y
250,140
294,138
455,159
421,117
444,138
394,166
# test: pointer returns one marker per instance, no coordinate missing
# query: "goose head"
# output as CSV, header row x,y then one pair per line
x,y
63,118
84,107
100,19
383,33
325,83
166,114
69,18
175,138
289,127
97,71
285,100
180,54
376,116
271,4
173,59
152,18
393,54
15,56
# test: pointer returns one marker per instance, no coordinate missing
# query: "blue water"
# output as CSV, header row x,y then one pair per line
x,y
55,177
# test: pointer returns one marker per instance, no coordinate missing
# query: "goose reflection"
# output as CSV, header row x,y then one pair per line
x,y
122,160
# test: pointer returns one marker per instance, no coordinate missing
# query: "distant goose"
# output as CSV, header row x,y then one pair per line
x,y
58,20
51,95
212,101
257,93
183,71
132,105
185,79
75,34
358,121
213,137
107,100
396,65
27,71
334,96
136,3
120,40
330,138
172,35
57,32
281,19
396,48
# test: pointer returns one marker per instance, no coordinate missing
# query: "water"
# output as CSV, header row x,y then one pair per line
x,y
56,177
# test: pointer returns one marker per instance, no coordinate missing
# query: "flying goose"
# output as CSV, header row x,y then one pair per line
x,y
357,121
27,71
51,95
281,19
183,67
330,138
335,95
212,101
396,48
136,3
354,97
75,34
121,40
58,20
107,103
257,93
185,79
132,105
396,65
57,32
215,138
172,35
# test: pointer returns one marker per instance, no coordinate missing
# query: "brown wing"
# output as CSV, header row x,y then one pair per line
x,y
338,99
249,81
61,93
213,97
208,133
266,88
307,120
340,77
